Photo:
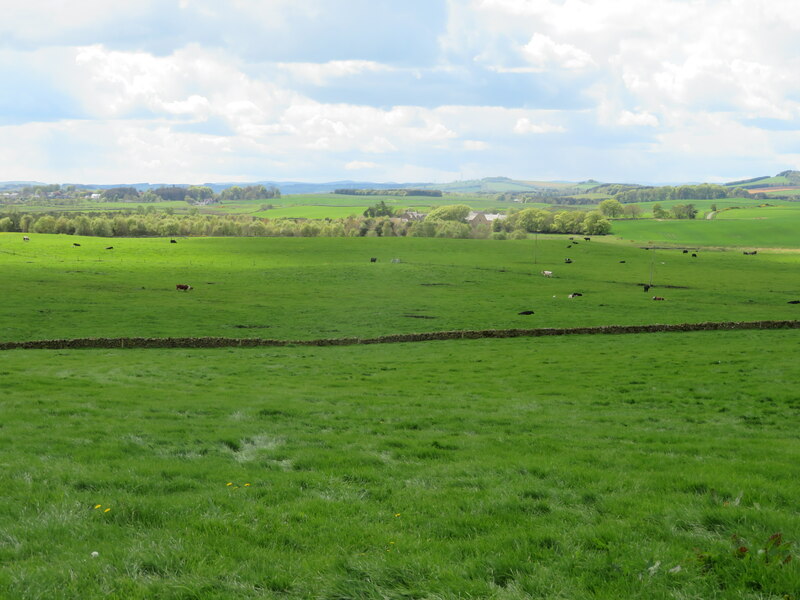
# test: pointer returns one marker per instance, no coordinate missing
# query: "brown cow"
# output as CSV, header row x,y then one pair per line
x,y
657,298
183,286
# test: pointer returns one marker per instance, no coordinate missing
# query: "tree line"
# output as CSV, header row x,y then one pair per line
x,y
442,222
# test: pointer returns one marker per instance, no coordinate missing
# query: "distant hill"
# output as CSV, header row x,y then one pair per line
x,y
781,180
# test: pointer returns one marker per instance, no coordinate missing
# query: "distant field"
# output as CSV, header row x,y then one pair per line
x,y
94,206
769,227
313,212
703,206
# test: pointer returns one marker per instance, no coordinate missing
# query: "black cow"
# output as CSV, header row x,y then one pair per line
x,y
794,302
647,288
622,262
568,260
373,259
587,239
686,252
109,247
753,253
525,312
694,255
575,295
173,241
75,244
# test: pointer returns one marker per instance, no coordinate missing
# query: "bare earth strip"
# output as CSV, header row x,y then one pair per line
x,y
220,342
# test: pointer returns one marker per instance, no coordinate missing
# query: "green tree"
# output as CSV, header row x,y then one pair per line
x,y
381,209
452,212
595,224
611,208
45,224
658,212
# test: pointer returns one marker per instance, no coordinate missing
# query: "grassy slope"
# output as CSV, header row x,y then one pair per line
x,y
559,468
326,287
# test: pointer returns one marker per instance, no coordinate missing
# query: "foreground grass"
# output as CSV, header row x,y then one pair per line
x,y
619,467
293,288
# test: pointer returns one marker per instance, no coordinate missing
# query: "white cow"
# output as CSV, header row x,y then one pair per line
x,y
547,273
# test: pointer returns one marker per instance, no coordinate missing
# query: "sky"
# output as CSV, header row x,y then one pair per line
x,y
193,91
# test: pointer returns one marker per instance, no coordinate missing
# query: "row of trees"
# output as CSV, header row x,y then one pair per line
x,y
192,194
444,222
703,191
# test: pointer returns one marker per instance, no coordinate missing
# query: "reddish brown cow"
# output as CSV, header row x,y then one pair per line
x,y
183,286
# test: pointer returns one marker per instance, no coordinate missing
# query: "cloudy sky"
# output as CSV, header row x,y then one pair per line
x,y
398,90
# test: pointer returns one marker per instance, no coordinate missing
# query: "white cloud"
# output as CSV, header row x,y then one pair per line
x,y
475,145
524,126
359,165
322,73
542,52
637,119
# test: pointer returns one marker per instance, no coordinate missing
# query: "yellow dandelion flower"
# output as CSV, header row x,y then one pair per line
x,y
97,506
230,483
246,485
391,542
397,515
106,510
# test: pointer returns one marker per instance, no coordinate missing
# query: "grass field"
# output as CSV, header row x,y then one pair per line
x,y
294,288
634,466
769,227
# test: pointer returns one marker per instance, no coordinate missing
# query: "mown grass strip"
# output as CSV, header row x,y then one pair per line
x,y
225,342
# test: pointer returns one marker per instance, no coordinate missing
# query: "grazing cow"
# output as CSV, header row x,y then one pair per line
x,y
622,262
547,273
575,295
587,239
525,312
570,246
568,260
75,244
25,238
794,302
657,298
185,287
109,247
647,288
571,238
694,255
686,252
753,253
173,241
373,259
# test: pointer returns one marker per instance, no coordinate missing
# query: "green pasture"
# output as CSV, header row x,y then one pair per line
x,y
313,212
581,467
95,206
633,466
777,227
703,206
293,288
